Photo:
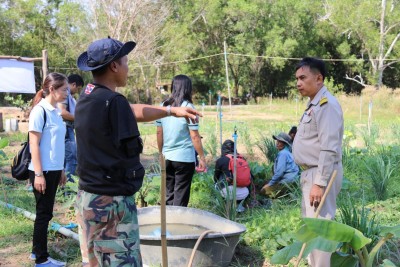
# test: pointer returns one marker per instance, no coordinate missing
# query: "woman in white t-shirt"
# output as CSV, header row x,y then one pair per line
x,y
178,139
46,170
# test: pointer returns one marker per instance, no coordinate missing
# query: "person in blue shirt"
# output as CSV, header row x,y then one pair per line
x,y
285,169
46,169
178,140
67,107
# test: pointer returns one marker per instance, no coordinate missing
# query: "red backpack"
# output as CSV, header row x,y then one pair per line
x,y
243,176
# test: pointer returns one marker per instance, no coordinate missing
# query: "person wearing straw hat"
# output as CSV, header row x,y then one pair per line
x,y
285,170
109,148
317,148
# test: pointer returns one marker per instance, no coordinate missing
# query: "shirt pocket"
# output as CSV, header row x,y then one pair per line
x,y
304,124
308,125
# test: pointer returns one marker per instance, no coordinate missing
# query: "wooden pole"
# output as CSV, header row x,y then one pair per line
x,y
220,119
202,112
44,64
27,59
333,177
370,117
227,78
270,101
163,212
1,122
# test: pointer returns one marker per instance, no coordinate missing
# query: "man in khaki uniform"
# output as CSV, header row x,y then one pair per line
x,y
317,147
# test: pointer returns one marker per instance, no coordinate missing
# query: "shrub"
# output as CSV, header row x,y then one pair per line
x,y
268,148
361,220
379,173
247,141
212,145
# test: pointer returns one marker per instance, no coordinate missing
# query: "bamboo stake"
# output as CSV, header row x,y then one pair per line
x,y
163,213
333,177
227,78
44,63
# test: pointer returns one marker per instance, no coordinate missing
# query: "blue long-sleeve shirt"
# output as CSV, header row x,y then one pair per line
x,y
285,169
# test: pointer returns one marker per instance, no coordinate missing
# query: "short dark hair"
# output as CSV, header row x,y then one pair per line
x,y
75,78
101,71
228,147
314,64
293,130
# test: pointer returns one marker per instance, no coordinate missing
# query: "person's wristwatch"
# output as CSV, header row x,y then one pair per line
x,y
169,110
39,174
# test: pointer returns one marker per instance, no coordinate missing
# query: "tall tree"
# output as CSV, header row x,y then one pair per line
x,y
375,25
138,20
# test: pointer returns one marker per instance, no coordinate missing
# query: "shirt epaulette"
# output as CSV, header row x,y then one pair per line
x,y
323,101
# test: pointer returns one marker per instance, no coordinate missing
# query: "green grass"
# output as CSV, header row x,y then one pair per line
x,y
268,228
12,224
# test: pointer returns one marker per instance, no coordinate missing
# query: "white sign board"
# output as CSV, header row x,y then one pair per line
x,y
17,76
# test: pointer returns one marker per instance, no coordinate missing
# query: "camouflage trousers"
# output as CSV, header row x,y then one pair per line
x,y
108,230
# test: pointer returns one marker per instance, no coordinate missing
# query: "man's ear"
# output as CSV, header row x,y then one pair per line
x,y
320,78
114,66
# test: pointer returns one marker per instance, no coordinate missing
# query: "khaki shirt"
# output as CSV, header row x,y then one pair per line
x,y
318,141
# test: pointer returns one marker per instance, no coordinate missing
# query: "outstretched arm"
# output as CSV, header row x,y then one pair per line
x,y
145,113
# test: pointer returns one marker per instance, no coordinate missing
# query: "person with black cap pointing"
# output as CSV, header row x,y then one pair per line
x,y
108,150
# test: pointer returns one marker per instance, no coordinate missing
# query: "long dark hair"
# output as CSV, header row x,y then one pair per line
x,y
181,89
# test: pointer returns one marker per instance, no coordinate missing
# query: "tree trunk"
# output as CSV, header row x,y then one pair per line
x,y
381,56
148,96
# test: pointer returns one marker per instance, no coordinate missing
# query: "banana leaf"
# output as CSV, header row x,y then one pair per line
x,y
395,230
332,230
284,255
387,263
339,259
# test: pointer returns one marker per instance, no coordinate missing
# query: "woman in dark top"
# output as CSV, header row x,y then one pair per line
x,y
222,172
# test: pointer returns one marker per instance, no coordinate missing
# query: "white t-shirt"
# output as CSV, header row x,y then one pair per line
x,y
52,142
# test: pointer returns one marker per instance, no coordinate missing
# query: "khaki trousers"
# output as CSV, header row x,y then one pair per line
x,y
318,258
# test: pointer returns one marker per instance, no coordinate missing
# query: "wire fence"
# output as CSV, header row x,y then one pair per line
x,y
184,61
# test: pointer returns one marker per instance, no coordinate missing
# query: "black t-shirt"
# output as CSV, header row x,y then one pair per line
x,y
108,143
222,169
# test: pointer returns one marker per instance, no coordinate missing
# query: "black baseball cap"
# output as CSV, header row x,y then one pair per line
x,y
102,52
